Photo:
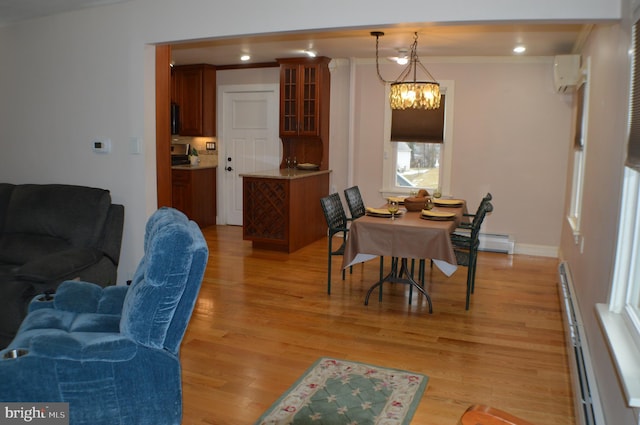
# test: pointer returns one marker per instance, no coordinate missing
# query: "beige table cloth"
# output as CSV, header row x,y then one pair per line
x,y
408,236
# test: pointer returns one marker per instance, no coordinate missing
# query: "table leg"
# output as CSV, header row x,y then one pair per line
x,y
395,276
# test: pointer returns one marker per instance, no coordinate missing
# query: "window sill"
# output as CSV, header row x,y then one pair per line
x,y
623,350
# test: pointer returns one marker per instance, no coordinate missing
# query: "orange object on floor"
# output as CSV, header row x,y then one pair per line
x,y
485,415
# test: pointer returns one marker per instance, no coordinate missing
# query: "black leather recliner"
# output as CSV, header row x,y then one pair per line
x,y
51,233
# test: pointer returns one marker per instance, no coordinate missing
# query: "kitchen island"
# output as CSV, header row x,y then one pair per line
x,y
281,208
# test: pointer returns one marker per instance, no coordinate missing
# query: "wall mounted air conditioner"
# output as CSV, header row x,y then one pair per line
x,y
566,73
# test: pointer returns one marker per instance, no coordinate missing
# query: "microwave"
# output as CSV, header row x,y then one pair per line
x,y
180,148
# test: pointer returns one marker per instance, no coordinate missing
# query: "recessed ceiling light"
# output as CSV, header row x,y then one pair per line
x,y
245,58
519,49
310,53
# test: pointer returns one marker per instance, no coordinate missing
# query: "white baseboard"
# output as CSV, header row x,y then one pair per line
x,y
537,250
496,243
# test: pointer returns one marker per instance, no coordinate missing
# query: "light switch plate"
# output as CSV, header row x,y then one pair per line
x,y
135,145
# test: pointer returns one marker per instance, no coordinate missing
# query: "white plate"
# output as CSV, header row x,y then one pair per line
x,y
308,166
448,202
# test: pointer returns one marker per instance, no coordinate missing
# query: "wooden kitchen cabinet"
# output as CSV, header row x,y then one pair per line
x,y
194,90
194,193
304,109
283,213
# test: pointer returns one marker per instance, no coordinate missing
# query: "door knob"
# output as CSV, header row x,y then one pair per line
x,y
229,169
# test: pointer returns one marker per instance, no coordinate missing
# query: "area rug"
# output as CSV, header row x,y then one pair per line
x,y
340,392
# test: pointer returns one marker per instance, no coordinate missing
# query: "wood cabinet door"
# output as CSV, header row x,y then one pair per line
x,y
194,193
299,100
309,100
195,94
189,97
181,191
289,100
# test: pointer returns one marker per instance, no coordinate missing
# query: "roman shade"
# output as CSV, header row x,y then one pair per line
x,y
418,125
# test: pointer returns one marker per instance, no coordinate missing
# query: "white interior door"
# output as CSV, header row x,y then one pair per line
x,y
250,140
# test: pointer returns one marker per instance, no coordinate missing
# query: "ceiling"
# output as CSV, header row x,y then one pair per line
x,y
434,40
21,10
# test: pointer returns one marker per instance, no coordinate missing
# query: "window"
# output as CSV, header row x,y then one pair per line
x,y
417,152
581,100
620,318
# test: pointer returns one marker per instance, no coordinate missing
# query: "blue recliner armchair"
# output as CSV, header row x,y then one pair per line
x,y
112,353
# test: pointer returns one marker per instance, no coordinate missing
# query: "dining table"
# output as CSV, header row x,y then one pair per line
x,y
409,235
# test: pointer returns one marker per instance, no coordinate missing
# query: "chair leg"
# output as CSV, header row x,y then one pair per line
x,y
468,287
473,281
329,270
471,277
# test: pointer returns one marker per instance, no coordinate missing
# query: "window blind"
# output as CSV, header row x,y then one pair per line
x,y
418,125
579,99
633,146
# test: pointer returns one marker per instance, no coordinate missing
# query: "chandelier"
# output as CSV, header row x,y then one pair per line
x,y
406,91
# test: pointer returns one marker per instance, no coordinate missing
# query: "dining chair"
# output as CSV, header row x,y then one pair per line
x,y
354,202
465,247
337,223
357,210
486,415
483,202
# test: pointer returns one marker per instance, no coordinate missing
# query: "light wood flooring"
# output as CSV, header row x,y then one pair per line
x,y
263,318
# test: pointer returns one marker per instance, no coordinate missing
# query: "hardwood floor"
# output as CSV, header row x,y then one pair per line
x,y
264,317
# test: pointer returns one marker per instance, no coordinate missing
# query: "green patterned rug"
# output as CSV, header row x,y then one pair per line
x,y
340,392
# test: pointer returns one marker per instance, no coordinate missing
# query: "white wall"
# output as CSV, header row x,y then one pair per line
x,y
511,137
592,267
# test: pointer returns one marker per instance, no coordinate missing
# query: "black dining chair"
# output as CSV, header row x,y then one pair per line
x,y
354,202
357,210
337,223
483,202
465,248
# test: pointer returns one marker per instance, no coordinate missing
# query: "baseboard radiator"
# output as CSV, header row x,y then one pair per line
x,y
496,243
588,410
